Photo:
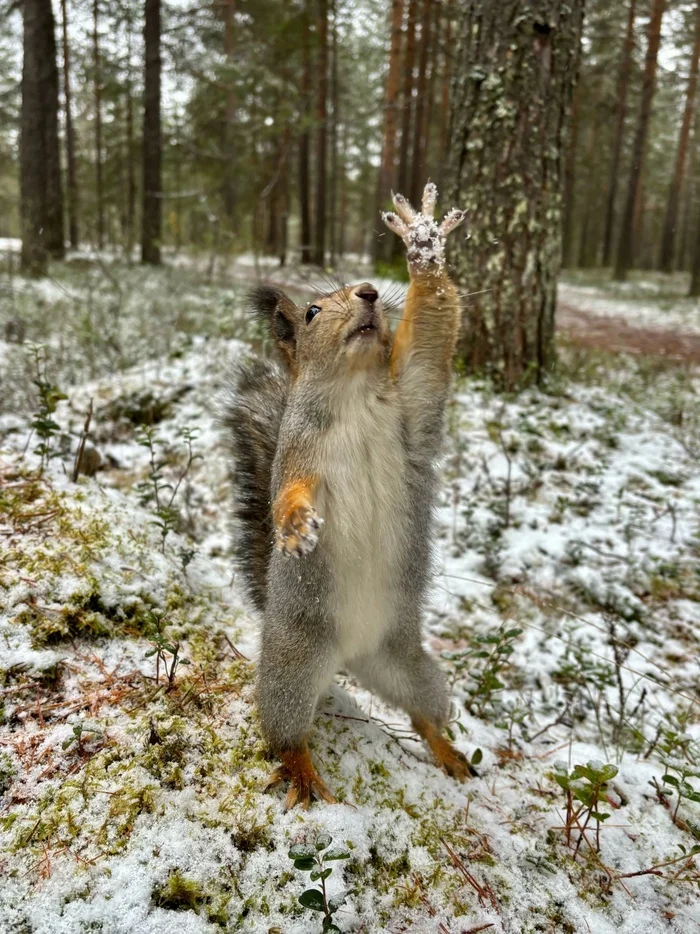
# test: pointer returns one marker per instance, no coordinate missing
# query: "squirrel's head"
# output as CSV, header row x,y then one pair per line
x,y
346,328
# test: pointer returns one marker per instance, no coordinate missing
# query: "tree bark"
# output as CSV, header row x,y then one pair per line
x,y
229,186
622,88
625,251
305,146
321,131
695,278
151,215
445,83
421,84
99,188
387,168
516,70
130,144
40,169
668,239
335,117
72,186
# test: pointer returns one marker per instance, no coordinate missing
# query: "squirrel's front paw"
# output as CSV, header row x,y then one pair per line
x,y
424,238
297,533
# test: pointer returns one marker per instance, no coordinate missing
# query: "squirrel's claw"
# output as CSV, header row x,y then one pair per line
x,y
304,780
403,208
429,199
424,238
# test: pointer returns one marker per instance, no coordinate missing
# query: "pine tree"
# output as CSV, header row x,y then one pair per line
x,y
151,217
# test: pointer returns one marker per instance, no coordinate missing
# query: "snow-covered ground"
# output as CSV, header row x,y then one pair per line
x,y
648,303
565,608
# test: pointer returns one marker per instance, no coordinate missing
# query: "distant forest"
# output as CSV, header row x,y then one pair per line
x,y
281,127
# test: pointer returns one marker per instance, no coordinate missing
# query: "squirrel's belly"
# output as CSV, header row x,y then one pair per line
x,y
366,529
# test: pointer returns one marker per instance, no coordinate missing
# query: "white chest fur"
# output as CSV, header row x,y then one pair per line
x,y
364,506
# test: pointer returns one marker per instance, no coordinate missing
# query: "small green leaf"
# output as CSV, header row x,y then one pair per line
x,y
323,840
312,899
338,852
670,780
336,901
305,863
301,850
477,756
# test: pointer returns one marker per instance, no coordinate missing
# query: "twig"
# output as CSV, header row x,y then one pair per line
x,y
81,445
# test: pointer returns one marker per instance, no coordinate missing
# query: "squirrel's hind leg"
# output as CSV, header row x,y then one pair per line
x,y
405,675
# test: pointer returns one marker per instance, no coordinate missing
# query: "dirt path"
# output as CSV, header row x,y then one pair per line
x,y
604,332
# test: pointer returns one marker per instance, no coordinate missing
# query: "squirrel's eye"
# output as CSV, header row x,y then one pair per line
x,y
311,313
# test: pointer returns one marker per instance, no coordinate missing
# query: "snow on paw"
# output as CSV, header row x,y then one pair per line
x,y
297,534
423,237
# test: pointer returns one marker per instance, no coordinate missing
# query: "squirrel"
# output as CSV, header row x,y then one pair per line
x,y
334,455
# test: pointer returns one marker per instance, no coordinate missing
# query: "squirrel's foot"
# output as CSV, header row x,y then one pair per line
x,y
297,534
304,781
450,759
424,238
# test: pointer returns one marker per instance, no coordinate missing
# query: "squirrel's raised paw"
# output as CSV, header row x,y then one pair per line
x,y
304,780
297,534
424,238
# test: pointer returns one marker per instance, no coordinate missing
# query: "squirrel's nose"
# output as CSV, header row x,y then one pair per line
x,y
367,292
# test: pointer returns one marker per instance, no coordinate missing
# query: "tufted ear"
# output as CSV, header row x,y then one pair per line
x,y
278,313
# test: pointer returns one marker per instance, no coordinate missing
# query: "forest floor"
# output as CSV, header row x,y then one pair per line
x,y
566,610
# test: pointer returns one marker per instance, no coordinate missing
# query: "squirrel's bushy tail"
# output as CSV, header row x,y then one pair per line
x,y
251,412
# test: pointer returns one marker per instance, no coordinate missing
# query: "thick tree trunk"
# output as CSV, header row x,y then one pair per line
x,y
97,90
668,239
417,168
387,167
622,87
40,168
321,131
516,73
151,215
625,251
305,148
72,187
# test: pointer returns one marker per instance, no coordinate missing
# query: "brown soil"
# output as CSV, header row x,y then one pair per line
x,y
618,335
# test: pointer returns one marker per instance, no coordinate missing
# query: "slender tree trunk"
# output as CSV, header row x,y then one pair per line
x,y
321,131
229,186
417,168
97,90
305,146
130,144
40,170
622,87
588,243
387,166
695,278
72,187
407,97
151,215
689,198
343,191
570,186
668,239
445,83
510,112
335,103
625,251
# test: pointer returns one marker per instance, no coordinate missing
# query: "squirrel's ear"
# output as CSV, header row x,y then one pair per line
x,y
280,315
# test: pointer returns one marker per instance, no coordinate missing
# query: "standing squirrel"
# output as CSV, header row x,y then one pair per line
x,y
334,455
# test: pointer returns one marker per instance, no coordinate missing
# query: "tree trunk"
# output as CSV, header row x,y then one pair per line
x,y
335,112
387,167
695,278
445,84
417,167
689,199
622,86
151,215
40,169
588,244
668,239
305,147
229,186
625,251
407,97
72,187
509,115
130,145
321,131
569,205
98,125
